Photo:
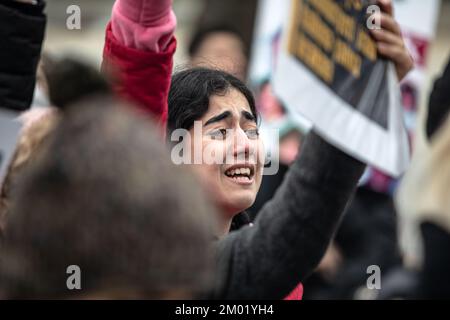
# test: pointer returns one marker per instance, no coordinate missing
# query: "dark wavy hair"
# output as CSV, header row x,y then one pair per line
x,y
191,91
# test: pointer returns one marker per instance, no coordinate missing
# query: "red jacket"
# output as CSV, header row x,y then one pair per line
x,y
141,77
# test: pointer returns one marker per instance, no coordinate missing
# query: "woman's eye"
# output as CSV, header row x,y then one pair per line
x,y
252,133
219,134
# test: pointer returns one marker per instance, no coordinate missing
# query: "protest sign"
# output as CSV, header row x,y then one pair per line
x,y
329,71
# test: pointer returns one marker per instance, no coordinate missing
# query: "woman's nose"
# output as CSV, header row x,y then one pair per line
x,y
242,146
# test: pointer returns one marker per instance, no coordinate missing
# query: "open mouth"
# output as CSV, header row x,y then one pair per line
x,y
241,174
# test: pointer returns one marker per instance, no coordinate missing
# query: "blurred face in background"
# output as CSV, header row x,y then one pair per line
x,y
269,106
230,129
223,51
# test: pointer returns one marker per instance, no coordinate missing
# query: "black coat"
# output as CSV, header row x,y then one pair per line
x,y
21,36
439,103
435,277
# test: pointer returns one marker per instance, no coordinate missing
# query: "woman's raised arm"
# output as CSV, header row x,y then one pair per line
x,y
139,51
293,230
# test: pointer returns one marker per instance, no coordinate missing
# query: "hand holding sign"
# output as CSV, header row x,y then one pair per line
x,y
390,42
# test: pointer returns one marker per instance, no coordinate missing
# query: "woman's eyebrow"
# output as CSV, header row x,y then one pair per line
x,y
218,118
248,116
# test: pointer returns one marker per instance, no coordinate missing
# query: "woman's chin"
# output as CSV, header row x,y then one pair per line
x,y
238,203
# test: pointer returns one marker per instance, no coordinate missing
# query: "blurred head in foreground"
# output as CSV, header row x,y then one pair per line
x,y
64,81
103,196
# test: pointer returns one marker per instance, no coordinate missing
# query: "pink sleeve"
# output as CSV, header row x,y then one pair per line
x,y
143,24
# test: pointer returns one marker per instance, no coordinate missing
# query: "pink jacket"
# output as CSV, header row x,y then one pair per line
x,y
144,25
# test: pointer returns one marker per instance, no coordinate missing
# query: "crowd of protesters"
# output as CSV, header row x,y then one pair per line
x,y
92,182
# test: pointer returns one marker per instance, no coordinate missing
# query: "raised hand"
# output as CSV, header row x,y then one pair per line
x,y
390,42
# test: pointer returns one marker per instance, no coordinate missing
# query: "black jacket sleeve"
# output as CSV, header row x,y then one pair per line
x,y
439,103
22,28
293,230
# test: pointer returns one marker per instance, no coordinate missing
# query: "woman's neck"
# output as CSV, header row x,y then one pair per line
x,y
224,226
225,220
